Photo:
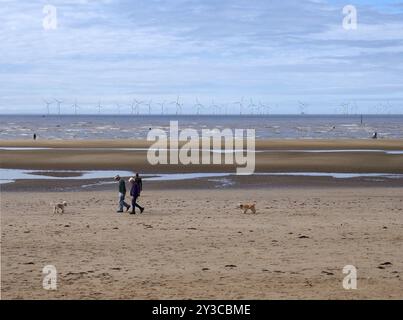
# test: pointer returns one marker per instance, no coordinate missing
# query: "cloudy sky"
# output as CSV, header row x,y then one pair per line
x,y
276,52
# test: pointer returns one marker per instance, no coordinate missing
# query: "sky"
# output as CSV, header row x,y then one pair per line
x,y
278,54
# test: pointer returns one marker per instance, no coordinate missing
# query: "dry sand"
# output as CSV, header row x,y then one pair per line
x,y
195,244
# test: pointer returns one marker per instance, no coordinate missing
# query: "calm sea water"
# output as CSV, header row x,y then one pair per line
x,y
266,126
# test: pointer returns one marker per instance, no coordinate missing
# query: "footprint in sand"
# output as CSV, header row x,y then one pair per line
x,y
384,264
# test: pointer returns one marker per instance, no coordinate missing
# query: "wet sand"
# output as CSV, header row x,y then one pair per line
x,y
88,157
232,182
389,144
196,244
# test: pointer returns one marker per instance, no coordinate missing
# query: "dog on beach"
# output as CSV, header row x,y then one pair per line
x,y
247,206
59,207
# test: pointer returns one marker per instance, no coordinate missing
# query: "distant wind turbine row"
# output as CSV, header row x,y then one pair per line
x,y
241,107
135,107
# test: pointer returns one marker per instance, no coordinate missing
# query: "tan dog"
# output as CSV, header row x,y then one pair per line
x,y
247,206
59,206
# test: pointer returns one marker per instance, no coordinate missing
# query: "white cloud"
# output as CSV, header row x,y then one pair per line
x,y
115,49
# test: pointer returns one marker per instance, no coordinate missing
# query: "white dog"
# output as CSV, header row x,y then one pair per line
x,y
59,206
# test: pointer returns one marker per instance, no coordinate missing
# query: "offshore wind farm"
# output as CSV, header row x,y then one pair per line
x,y
69,119
208,106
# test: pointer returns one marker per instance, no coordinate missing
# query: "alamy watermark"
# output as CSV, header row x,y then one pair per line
x,y
185,147
49,281
350,21
350,280
49,21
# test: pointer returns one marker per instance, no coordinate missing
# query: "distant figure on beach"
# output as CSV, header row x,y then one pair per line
x,y
135,193
34,136
375,135
139,181
122,194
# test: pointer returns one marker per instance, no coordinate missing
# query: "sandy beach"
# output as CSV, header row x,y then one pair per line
x,y
196,110
192,242
198,245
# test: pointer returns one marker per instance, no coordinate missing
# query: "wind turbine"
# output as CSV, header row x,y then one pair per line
x,y
58,106
225,107
240,103
381,108
48,103
345,108
75,106
263,107
118,107
372,109
198,106
388,107
269,109
135,106
178,106
149,106
302,107
132,106
354,108
215,107
99,106
251,105
162,106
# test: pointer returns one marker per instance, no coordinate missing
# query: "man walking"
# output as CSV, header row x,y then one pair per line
x,y
122,194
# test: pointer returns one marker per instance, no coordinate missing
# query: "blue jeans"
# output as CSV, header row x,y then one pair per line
x,y
122,202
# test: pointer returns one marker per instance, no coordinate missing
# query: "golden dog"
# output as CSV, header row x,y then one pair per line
x,y
247,206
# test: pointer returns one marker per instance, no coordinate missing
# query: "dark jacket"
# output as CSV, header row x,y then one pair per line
x,y
122,186
135,190
140,182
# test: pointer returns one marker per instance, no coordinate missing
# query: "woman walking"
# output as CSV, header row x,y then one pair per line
x,y
135,193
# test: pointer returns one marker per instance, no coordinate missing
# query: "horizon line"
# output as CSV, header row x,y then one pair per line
x,y
199,115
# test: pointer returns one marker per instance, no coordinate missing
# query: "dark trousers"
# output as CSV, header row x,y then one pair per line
x,y
135,204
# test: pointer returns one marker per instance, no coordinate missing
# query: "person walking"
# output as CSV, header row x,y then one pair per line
x,y
135,193
122,194
139,181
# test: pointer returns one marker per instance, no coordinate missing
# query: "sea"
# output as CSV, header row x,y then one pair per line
x,y
82,127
